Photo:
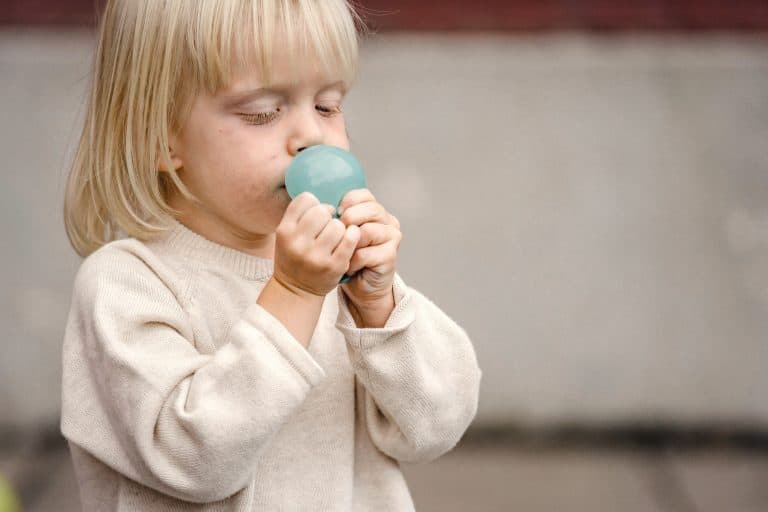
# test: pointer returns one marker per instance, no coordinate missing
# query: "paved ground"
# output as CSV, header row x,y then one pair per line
x,y
501,476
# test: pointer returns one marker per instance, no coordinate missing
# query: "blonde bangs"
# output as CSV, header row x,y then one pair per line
x,y
231,38
152,59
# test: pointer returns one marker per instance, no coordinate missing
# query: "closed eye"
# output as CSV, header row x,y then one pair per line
x,y
328,111
260,117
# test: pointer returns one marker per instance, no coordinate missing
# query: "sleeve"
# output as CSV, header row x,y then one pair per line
x,y
420,376
137,395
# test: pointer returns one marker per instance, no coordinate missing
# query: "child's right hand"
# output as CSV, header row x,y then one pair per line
x,y
312,249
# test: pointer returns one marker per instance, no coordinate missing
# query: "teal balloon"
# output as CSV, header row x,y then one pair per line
x,y
328,172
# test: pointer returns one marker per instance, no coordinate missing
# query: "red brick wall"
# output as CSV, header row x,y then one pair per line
x,y
502,15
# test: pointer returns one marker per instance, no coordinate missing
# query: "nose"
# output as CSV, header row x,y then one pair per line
x,y
306,130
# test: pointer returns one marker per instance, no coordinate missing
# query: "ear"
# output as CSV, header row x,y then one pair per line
x,y
176,161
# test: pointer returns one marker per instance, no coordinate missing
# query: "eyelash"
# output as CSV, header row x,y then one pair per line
x,y
261,118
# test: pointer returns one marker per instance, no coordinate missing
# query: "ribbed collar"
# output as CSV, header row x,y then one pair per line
x,y
186,242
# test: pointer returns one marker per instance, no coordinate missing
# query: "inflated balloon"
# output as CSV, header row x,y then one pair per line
x,y
328,172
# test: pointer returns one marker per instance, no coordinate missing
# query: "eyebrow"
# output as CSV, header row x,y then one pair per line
x,y
239,98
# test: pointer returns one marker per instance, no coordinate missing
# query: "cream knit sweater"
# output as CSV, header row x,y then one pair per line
x,y
181,393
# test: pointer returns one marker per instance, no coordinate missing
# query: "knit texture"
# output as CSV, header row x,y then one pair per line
x,y
180,392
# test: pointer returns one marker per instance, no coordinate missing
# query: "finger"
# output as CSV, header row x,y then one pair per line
x,y
382,257
346,247
374,233
369,211
298,207
354,197
331,235
315,219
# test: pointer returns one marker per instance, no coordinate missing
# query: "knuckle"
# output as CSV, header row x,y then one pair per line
x,y
347,216
355,232
317,212
338,226
317,206
309,198
332,231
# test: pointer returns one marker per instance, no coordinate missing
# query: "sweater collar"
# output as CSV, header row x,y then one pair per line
x,y
192,245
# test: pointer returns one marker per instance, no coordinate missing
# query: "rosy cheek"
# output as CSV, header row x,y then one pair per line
x,y
341,141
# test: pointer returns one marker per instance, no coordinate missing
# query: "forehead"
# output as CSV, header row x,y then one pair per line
x,y
281,68
286,64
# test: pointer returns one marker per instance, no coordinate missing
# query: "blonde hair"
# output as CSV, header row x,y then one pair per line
x,y
151,60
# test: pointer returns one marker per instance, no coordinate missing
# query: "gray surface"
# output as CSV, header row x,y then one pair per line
x,y
502,479
509,478
591,210
720,481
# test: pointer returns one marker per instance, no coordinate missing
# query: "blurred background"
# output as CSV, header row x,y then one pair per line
x,y
581,185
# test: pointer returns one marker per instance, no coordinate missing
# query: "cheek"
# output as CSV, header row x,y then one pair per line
x,y
338,137
338,133
343,144
225,156
210,150
236,160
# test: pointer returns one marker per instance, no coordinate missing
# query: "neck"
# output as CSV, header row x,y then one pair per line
x,y
213,227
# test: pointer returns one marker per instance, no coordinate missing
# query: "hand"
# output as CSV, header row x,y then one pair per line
x,y
375,254
312,249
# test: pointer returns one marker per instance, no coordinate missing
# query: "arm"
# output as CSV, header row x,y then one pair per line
x,y
372,318
138,396
297,311
420,375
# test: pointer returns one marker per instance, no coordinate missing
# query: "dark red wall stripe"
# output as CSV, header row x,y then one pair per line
x,y
48,12
495,15
566,14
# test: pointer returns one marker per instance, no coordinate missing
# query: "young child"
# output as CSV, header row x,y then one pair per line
x,y
210,361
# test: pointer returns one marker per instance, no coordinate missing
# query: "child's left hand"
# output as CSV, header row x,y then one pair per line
x,y
371,290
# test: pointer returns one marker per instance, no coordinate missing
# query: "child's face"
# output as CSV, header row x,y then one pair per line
x,y
236,145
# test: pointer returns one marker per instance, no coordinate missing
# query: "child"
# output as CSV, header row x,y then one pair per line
x,y
210,361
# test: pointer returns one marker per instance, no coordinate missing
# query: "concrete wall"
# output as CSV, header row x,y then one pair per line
x,y
591,210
